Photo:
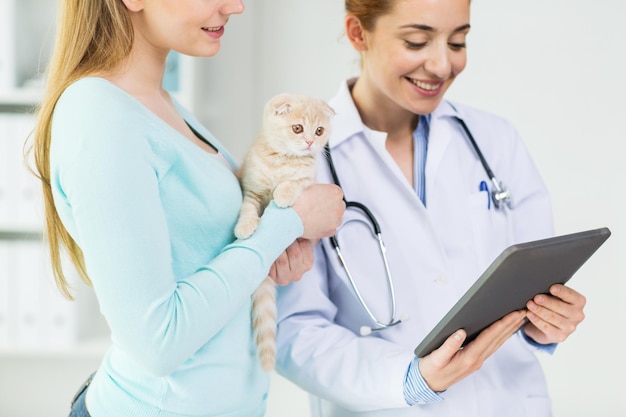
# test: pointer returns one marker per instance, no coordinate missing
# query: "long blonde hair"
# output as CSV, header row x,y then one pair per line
x,y
93,36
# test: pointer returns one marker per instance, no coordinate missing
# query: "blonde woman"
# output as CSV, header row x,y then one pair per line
x,y
143,198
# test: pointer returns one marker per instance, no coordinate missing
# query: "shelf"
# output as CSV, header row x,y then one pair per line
x,y
21,234
24,100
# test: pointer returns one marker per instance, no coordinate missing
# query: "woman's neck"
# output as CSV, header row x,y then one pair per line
x,y
141,74
381,114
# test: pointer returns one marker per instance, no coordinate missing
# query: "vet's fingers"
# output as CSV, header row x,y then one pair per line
x,y
450,364
541,331
441,356
510,324
490,339
549,326
562,313
440,369
569,296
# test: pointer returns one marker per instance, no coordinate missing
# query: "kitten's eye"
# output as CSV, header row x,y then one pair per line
x,y
319,131
297,129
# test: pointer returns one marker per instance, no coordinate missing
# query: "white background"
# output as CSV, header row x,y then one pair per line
x,y
554,68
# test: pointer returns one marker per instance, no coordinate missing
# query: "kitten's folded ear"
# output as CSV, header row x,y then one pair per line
x,y
281,104
328,111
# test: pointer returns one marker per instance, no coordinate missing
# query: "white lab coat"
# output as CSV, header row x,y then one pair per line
x,y
434,253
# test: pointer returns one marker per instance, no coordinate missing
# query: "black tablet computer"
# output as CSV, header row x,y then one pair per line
x,y
518,274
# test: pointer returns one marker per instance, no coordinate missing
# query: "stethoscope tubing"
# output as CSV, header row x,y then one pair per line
x,y
355,288
500,195
382,248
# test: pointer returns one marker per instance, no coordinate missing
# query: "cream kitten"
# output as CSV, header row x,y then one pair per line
x,y
279,165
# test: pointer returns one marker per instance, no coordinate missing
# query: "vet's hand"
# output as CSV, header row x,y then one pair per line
x,y
552,318
321,209
449,364
293,262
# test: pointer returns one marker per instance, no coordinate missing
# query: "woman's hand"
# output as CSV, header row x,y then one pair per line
x,y
321,209
449,364
293,262
552,318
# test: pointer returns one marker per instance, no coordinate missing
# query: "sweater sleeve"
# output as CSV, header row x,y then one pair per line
x,y
106,183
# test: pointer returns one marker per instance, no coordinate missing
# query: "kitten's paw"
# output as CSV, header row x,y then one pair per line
x,y
285,195
246,227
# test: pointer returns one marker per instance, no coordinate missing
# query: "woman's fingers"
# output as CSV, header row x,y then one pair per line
x,y
450,363
555,316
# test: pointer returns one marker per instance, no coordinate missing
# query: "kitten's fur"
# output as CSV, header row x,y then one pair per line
x,y
279,165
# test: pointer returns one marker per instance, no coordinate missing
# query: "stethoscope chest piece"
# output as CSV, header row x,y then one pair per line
x,y
500,195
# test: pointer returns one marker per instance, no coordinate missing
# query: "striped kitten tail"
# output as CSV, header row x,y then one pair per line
x,y
264,322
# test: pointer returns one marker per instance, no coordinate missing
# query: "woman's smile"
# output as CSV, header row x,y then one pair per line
x,y
214,32
429,88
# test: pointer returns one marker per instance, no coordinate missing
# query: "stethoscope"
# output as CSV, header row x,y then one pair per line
x,y
501,197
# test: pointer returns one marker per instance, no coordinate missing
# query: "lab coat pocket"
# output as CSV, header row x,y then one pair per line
x,y
490,226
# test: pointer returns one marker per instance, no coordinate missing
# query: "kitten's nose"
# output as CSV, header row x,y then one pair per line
x,y
309,142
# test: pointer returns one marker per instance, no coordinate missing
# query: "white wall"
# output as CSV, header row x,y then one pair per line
x,y
274,47
554,68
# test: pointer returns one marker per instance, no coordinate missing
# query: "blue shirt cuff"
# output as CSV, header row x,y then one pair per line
x,y
416,390
550,348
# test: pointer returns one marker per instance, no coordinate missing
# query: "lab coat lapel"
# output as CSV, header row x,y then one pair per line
x,y
377,141
421,214
439,138
347,125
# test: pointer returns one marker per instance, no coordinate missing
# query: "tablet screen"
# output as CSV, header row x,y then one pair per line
x,y
518,274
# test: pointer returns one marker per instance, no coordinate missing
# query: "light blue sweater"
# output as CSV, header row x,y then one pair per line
x,y
154,216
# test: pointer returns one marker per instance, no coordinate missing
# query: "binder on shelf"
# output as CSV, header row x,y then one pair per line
x,y
34,37
5,168
24,192
34,316
60,321
38,315
25,47
8,63
4,294
25,301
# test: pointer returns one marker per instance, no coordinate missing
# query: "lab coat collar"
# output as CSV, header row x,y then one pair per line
x,y
446,109
347,120
348,123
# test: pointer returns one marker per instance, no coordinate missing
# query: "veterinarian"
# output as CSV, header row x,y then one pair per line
x,y
144,200
446,208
